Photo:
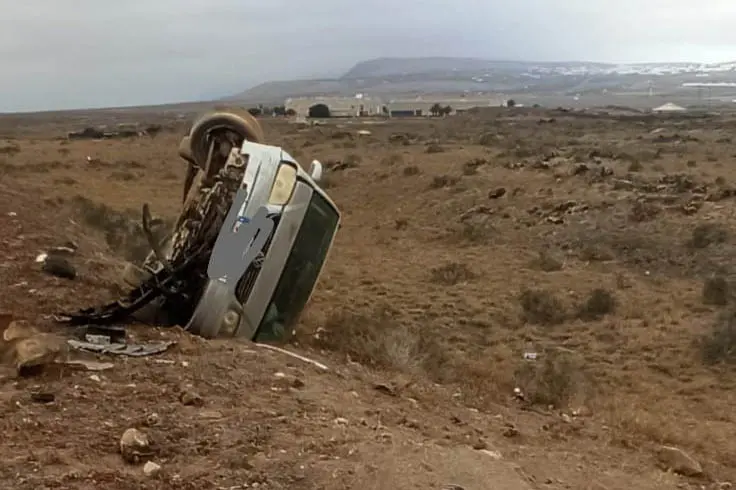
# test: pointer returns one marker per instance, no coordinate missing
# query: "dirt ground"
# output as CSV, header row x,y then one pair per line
x,y
585,259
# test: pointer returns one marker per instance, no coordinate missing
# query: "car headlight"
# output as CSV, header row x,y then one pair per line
x,y
230,322
283,185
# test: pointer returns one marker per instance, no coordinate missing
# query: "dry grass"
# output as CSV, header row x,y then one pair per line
x,y
720,345
598,304
452,274
555,380
379,341
542,307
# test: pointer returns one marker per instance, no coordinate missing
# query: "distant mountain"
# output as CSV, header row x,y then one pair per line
x,y
398,77
388,67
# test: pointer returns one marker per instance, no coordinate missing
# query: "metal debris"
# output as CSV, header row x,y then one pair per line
x,y
295,356
132,350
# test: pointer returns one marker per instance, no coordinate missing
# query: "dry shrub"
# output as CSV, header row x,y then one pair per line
x,y
66,180
440,181
487,139
45,167
642,211
554,379
716,291
340,135
378,340
707,234
473,233
410,171
434,148
593,252
541,307
633,425
471,166
392,159
451,274
600,302
401,138
9,149
130,164
352,160
123,175
719,346
122,230
547,262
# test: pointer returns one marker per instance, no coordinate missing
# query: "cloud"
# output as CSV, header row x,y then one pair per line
x,y
81,53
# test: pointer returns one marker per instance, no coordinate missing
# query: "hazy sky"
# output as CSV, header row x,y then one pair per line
x,y
59,54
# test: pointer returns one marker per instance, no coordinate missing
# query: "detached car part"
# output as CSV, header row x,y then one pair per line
x,y
224,153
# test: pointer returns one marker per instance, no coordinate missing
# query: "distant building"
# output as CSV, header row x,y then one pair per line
x,y
669,107
361,105
357,106
422,105
408,109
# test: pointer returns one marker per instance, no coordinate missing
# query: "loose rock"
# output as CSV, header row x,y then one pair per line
x,y
496,193
59,266
26,349
135,446
151,469
190,397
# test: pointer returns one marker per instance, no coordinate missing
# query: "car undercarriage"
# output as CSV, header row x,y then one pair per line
x,y
172,286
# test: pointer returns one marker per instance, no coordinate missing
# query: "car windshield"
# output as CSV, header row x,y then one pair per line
x,y
301,270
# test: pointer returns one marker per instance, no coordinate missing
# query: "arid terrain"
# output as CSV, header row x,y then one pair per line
x,y
584,259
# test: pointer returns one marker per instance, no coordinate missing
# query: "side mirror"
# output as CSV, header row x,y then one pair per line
x,y
315,170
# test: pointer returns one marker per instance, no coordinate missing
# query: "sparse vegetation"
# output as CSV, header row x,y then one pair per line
x,y
440,181
451,274
720,345
552,381
707,234
121,230
599,303
487,139
392,159
9,149
378,340
471,167
474,233
541,307
547,261
716,291
410,171
352,160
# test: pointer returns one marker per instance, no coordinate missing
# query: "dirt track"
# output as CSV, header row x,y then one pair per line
x,y
466,242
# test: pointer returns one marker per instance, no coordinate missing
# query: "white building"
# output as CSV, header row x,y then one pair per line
x,y
669,107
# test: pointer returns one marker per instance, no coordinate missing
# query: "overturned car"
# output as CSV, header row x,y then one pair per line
x,y
194,277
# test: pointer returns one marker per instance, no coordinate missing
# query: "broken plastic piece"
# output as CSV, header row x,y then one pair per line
x,y
133,350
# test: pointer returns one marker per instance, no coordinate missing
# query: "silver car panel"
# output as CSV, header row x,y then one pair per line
x,y
275,260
